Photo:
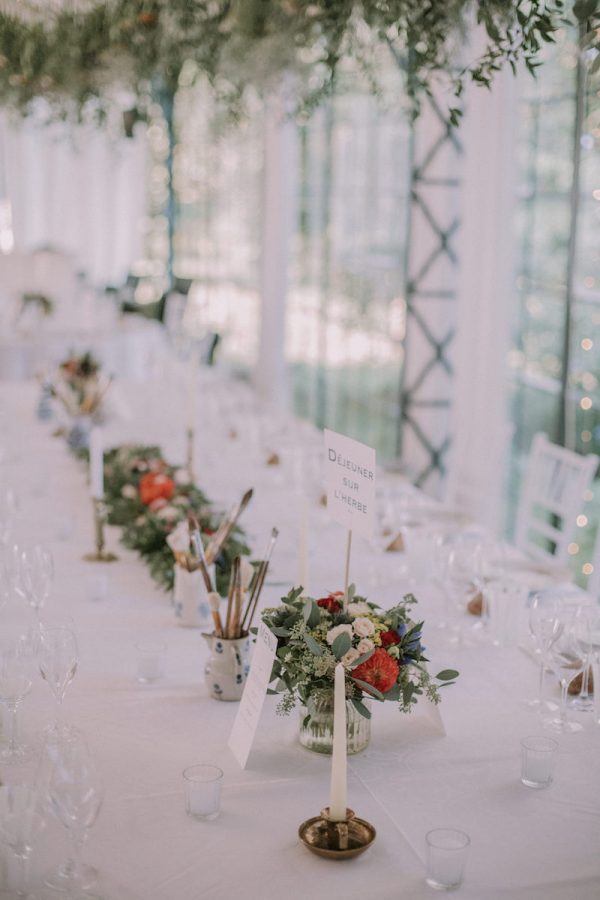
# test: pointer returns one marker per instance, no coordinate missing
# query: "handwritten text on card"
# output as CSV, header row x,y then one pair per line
x,y
351,474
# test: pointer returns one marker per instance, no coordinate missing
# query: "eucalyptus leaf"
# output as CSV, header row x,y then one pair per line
x,y
341,645
360,707
313,646
362,659
368,689
447,675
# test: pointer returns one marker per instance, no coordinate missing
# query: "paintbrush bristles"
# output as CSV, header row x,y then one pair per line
x,y
215,603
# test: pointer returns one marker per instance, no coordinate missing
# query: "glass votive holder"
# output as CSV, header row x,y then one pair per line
x,y
150,660
446,850
202,784
538,757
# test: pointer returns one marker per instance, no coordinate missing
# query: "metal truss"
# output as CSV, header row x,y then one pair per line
x,y
423,436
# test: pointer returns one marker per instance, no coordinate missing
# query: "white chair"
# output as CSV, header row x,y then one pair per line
x,y
551,499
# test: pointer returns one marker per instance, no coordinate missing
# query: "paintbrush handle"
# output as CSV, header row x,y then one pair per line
x,y
257,595
214,601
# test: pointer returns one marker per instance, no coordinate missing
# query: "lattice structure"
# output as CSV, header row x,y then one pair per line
x,y
431,264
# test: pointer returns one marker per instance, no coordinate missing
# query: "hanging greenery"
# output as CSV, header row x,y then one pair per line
x,y
81,58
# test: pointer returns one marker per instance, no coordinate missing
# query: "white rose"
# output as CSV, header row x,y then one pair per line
x,y
349,657
128,491
339,629
365,646
182,476
169,513
363,627
358,609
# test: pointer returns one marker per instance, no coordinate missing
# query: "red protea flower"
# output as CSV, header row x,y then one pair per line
x,y
155,485
380,670
389,638
330,603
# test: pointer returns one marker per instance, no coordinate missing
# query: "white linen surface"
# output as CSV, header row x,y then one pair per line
x,y
526,844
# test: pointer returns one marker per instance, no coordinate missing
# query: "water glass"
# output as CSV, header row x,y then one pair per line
x,y
150,660
504,599
538,757
202,784
447,851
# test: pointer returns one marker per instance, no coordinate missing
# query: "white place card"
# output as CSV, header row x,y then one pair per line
x,y
350,476
248,715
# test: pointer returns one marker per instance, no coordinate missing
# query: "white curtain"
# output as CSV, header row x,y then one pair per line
x,y
79,190
486,303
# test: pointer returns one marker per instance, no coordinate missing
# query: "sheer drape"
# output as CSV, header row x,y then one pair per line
x,y
78,190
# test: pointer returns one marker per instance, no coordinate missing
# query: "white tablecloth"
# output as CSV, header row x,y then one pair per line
x,y
526,844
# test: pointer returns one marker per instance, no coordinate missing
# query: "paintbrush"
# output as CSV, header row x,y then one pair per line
x,y
226,527
196,540
237,601
215,602
230,594
259,581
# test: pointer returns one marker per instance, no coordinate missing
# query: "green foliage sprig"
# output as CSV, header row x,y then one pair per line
x,y
77,60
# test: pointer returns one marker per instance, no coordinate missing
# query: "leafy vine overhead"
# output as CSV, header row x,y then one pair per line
x,y
81,54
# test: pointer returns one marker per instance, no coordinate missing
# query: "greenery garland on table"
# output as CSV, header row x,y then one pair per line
x,y
72,55
147,498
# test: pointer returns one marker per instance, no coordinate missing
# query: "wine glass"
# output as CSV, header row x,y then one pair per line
x,y
74,793
58,658
569,655
545,626
36,571
16,679
20,821
61,878
462,580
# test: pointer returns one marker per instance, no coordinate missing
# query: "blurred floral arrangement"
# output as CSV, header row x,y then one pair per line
x,y
380,649
37,301
147,497
76,53
79,385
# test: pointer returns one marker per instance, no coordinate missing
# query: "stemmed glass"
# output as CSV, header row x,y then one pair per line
x,y
545,626
20,820
36,571
462,579
58,658
569,656
74,793
16,679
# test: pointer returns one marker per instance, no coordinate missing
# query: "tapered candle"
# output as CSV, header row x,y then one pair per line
x,y
96,464
337,801
303,545
191,394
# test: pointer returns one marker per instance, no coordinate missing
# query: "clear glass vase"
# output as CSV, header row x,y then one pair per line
x,y
316,726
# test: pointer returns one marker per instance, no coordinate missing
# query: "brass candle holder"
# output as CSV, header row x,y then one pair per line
x,y
337,840
190,452
100,555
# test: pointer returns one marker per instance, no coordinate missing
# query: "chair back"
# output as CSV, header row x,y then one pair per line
x,y
551,498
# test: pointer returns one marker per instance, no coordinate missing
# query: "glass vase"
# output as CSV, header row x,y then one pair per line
x,y
316,726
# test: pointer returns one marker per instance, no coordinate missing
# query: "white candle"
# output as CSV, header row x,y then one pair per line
x,y
96,464
191,394
303,545
337,802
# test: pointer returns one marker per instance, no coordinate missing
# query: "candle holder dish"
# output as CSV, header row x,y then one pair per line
x,y
337,840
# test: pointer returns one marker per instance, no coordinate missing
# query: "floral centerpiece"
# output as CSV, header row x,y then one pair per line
x,y
148,497
79,385
380,649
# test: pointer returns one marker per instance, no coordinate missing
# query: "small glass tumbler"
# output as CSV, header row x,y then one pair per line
x,y
447,851
538,756
150,660
203,791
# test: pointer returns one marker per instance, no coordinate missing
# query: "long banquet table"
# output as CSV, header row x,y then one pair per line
x,y
525,844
